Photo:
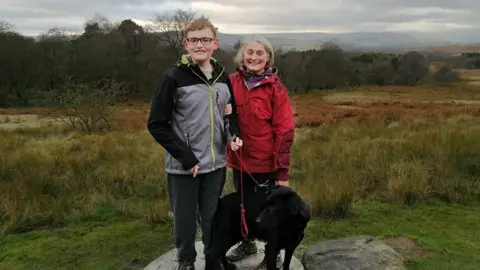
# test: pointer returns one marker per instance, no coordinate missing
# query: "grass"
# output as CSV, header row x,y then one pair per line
x,y
472,76
57,179
394,167
442,93
447,232
378,103
100,245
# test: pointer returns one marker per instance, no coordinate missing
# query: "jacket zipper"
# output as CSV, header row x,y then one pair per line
x,y
188,138
212,122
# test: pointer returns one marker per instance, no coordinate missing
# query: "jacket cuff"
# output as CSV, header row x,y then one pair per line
x,y
282,175
231,138
190,161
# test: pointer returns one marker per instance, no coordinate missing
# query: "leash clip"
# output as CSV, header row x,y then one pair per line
x,y
267,186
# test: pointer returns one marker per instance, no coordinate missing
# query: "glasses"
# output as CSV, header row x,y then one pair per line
x,y
204,40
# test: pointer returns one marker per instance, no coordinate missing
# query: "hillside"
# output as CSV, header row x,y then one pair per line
x,y
379,41
449,49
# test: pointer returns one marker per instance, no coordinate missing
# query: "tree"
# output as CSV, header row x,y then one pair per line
x,y
446,74
19,70
328,68
99,24
168,29
380,73
89,105
55,49
5,26
412,69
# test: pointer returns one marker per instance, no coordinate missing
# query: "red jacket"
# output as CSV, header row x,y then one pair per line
x,y
265,120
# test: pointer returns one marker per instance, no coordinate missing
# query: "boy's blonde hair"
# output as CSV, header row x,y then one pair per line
x,y
200,24
238,59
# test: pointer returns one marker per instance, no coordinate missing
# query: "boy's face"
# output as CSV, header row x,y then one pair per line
x,y
200,44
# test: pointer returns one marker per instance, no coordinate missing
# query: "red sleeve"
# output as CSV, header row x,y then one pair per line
x,y
283,129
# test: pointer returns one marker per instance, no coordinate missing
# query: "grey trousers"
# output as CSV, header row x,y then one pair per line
x,y
186,193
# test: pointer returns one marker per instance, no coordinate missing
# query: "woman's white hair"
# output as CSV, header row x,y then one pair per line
x,y
238,59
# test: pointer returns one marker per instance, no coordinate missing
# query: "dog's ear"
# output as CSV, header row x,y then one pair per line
x,y
297,206
293,206
303,209
279,191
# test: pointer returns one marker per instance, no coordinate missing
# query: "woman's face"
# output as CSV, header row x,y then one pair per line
x,y
255,57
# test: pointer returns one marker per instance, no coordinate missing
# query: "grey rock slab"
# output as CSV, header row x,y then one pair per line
x,y
168,260
352,253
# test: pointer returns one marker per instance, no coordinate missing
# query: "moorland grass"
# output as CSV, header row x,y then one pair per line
x,y
98,201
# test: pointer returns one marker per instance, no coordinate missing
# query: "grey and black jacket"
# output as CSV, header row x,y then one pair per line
x,y
187,117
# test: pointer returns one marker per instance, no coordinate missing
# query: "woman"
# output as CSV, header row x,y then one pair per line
x,y
265,120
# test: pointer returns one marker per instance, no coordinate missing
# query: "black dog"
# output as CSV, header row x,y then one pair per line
x,y
278,218
226,226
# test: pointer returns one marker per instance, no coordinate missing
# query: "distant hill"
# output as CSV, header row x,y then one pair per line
x,y
378,41
447,49
448,41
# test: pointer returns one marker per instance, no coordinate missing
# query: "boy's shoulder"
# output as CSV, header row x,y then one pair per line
x,y
173,71
178,74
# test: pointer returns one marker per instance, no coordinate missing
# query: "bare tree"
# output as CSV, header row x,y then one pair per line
x,y
101,23
59,34
169,31
5,26
88,106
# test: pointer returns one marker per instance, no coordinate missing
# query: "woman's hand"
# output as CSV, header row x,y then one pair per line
x,y
283,183
282,177
236,144
228,109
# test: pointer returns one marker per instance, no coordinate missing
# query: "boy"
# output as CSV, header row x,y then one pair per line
x,y
192,116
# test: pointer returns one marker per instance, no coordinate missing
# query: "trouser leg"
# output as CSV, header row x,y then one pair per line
x,y
183,196
210,190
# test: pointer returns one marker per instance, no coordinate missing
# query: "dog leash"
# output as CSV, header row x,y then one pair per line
x,y
243,220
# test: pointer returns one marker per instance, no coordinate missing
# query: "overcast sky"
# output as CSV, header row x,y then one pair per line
x,y
32,17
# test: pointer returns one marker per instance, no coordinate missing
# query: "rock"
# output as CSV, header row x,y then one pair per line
x,y
167,260
352,253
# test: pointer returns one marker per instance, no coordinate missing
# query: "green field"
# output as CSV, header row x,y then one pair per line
x,y
70,200
445,237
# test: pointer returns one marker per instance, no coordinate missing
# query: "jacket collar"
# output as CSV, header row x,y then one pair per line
x,y
186,62
269,76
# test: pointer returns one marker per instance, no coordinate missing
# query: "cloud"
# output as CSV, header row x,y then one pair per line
x,y
247,16
358,15
32,17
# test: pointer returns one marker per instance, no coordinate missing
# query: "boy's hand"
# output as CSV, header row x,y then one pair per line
x,y
236,144
228,109
195,170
